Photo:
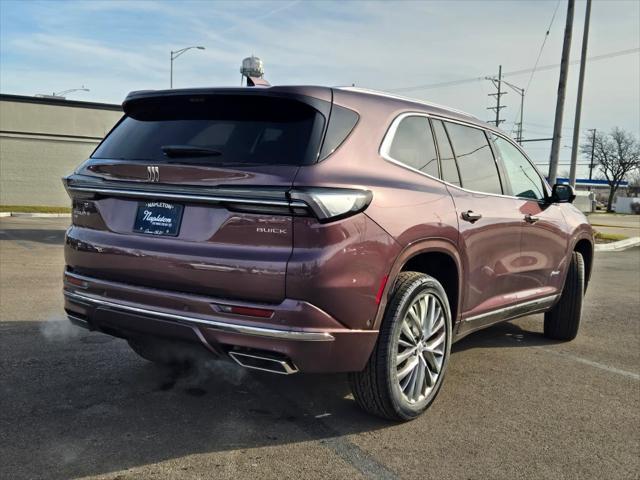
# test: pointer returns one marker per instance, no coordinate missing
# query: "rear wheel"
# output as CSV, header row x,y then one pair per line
x,y
407,366
563,320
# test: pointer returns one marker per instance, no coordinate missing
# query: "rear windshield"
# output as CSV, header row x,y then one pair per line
x,y
238,129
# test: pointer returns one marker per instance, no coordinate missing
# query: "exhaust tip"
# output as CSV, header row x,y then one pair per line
x,y
264,362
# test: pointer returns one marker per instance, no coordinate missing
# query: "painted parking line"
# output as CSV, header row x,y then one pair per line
x,y
591,363
315,427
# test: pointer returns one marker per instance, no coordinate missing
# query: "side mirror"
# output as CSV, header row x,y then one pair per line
x,y
562,193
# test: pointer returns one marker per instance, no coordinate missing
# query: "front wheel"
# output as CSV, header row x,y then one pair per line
x,y
407,366
563,320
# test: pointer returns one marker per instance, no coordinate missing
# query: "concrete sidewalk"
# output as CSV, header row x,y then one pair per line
x,y
628,225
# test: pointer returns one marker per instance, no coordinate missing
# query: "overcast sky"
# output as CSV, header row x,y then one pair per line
x,y
113,47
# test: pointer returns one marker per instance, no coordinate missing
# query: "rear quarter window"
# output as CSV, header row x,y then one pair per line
x,y
413,145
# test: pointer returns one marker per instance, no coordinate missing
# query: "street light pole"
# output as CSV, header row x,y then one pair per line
x,y
176,54
65,92
519,91
593,149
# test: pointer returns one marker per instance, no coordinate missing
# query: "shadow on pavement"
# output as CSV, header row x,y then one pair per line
x,y
88,405
45,236
76,403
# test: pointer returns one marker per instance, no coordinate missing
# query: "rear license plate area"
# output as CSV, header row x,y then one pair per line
x,y
158,218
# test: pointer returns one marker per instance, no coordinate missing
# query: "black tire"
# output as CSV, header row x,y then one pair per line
x,y
162,352
376,389
563,320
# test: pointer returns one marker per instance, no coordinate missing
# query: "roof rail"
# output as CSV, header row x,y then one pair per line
x,y
407,99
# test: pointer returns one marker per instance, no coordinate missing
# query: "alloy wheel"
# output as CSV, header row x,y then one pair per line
x,y
421,347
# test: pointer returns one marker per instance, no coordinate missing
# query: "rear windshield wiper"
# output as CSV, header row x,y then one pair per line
x,y
176,151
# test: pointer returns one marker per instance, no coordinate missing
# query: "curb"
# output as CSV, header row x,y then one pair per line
x,y
618,246
35,215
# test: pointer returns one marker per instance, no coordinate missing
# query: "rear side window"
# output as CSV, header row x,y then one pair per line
x,y
525,181
238,129
413,145
447,160
478,169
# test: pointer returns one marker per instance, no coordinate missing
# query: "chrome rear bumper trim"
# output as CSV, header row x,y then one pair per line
x,y
214,324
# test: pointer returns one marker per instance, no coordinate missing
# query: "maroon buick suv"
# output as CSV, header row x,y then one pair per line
x,y
315,229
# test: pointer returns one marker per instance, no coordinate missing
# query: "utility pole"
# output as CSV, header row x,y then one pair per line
x,y
576,122
497,82
562,86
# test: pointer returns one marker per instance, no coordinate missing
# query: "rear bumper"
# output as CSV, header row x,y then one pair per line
x,y
308,336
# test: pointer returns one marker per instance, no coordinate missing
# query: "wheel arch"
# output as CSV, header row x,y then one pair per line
x,y
437,258
584,246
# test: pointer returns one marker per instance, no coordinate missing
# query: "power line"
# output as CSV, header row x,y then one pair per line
x,y
544,41
563,163
452,83
533,70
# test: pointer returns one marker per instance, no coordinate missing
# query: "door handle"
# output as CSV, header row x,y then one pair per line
x,y
471,216
530,218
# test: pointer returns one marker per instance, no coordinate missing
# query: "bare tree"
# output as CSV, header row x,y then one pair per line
x,y
617,155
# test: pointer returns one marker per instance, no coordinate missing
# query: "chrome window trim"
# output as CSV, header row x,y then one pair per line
x,y
383,151
214,324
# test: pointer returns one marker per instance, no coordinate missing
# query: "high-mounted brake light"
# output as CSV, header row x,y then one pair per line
x,y
329,204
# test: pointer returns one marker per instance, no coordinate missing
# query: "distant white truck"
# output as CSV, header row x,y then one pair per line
x,y
627,205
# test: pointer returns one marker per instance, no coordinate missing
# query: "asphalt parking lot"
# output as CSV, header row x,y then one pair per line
x,y
514,405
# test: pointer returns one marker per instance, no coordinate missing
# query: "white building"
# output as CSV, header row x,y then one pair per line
x,y
44,139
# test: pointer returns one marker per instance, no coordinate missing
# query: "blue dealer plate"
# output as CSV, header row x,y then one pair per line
x,y
158,218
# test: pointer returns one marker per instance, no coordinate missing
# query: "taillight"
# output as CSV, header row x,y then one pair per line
x,y
329,204
326,204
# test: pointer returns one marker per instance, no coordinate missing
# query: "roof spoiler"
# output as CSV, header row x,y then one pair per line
x,y
257,82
